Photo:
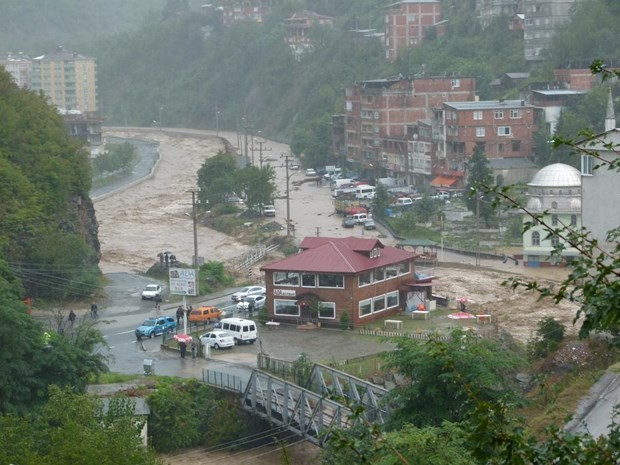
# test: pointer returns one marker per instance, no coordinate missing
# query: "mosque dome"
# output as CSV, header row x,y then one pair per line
x,y
557,175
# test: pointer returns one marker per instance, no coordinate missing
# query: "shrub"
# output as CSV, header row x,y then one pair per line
x,y
549,335
345,321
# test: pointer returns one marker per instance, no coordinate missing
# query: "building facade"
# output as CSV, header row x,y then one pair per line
x,y
332,276
542,20
554,195
67,78
407,23
298,27
20,67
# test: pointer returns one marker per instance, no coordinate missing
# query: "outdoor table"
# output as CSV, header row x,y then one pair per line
x,y
424,313
273,324
483,318
397,323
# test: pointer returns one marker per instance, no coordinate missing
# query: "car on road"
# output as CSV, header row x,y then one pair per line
x,y
269,210
218,339
152,292
370,224
204,314
348,223
310,172
246,291
254,302
155,326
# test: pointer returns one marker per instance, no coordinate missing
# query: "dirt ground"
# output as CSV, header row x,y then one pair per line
x,y
155,215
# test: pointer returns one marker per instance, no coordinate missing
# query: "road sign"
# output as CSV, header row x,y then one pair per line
x,y
183,281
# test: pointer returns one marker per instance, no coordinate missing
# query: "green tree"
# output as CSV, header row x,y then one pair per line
x,y
480,175
446,376
381,201
216,179
549,335
258,184
425,209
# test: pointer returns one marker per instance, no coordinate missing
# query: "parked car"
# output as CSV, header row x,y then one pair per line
x,y
254,302
204,314
246,291
235,200
348,223
370,224
152,292
218,339
155,326
310,172
269,210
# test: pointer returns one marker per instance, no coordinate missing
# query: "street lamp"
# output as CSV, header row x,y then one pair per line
x,y
161,111
288,197
217,121
195,260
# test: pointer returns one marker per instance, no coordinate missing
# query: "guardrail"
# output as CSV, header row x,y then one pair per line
x,y
224,381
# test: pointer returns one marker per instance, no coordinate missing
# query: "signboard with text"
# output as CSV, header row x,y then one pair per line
x,y
284,293
183,281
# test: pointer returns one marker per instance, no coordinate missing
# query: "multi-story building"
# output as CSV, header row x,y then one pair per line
x,y
360,277
542,20
407,22
67,78
379,114
19,66
298,27
489,9
577,76
234,11
600,185
500,128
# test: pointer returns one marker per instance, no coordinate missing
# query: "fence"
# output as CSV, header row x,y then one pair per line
x,y
224,380
248,259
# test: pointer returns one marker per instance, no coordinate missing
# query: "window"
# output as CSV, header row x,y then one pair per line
x,y
327,310
573,220
536,238
364,279
285,307
516,145
586,165
515,114
391,272
456,83
308,280
392,299
477,115
379,274
554,220
554,204
378,304
503,131
365,307
480,132
331,280
500,147
498,114
555,241
448,115
404,268
285,278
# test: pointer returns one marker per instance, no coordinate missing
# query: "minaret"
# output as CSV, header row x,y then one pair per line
x,y
610,117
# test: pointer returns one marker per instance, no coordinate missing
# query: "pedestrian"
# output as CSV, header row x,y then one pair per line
x,y
183,346
157,304
72,317
93,310
188,310
179,314
193,346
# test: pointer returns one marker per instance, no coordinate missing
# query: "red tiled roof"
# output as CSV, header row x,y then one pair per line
x,y
339,255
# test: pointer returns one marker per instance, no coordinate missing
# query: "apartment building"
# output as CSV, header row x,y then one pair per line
x,y
487,10
19,66
379,113
542,19
234,11
407,23
67,78
501,128
298,27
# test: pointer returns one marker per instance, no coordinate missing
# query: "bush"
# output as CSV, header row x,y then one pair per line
x,y
549,335
262,316
345,321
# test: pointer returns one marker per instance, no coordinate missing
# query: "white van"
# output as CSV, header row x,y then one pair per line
x,y
242,330
359,218
337,183
402,201
365,192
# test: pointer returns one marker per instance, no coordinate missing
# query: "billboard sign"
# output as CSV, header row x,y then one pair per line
x,y
183,281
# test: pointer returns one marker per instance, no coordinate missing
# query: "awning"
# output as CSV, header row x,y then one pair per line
x,y
442,181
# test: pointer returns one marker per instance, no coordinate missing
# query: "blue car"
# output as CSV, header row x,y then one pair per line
x,y
155,326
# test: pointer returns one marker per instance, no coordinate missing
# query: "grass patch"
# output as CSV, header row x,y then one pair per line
x,y
114,378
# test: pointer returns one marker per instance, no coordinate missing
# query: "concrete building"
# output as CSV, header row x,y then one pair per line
x,y
555,195
487,10
298,27
601,186
379,115
67,78
542,20
361,277
500,128
407,23
19,66
234,11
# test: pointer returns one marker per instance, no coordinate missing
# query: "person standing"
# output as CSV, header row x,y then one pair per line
x,y
183,346
179,315
71,317
193,346
93,310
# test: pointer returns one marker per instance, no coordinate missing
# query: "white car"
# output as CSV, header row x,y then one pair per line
x,y
269,210
152,292
218,339
257,302
310,172
246,291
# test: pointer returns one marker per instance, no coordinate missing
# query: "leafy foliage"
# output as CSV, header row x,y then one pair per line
x,y
480,174
549,334
117,157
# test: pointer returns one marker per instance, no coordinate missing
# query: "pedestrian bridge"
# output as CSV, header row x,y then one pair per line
x,y
326,402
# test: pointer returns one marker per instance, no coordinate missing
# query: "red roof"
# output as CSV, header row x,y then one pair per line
x,y
339,255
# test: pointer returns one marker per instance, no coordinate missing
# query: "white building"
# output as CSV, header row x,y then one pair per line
x,y
555,194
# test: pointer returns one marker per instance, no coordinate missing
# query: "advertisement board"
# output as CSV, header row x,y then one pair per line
x,y
183,281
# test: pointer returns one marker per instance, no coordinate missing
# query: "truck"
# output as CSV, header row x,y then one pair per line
x,y
347,207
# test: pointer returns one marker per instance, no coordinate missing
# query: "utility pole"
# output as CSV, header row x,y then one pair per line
x,y
217,121
478,228
288,201
260,151
195,260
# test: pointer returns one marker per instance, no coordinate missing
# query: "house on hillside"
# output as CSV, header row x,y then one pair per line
x,y
361,277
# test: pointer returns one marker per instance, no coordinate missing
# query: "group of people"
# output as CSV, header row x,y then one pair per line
x,y
183,347
182,313
94,309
